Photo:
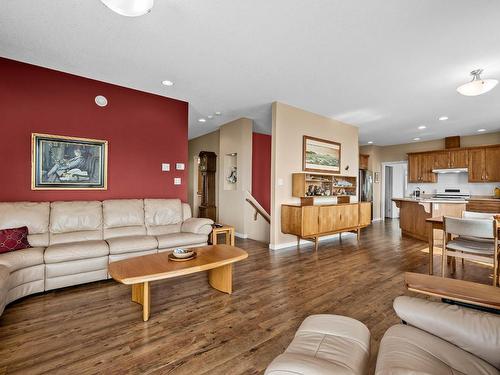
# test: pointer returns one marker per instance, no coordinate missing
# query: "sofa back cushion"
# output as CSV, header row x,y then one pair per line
x,y
75,221
34,215
186,212
163,216
123,217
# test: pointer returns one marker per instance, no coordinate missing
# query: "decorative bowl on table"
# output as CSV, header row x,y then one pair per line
x,y
182,253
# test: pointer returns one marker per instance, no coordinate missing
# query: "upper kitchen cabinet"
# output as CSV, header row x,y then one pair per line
x,y
458,158
492,164
420,168
476,164
363,161
441,159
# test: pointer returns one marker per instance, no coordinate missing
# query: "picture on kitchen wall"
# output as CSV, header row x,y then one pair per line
x,y
61,163
320,155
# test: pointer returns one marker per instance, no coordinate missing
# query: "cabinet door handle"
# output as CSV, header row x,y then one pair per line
x,y
486,177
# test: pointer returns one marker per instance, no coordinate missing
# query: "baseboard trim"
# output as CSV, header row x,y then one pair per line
x,y
241,235
304,242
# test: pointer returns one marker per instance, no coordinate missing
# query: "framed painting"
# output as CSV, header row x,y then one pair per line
x,y
320,155
68,163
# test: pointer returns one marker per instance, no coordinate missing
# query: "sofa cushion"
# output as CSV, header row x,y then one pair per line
x,y
123,213
128,244
16,260
197,225
65,252
33,215
170,241
326,344
75,216
475,331
163,216
13,239
409,350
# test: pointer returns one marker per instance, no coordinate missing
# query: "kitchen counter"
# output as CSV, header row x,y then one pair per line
x,y
414,212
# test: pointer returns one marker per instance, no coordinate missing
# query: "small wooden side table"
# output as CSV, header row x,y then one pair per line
x,y
227,230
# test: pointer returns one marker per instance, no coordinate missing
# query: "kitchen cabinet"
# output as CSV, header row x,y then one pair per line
x,y
363,161
458,158
441,159
492,164
420,168
476,164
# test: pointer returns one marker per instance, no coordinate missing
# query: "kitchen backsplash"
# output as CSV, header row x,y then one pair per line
x,y
454,180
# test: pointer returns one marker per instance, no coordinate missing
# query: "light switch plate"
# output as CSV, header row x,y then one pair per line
x,y
280,182
179,166
177,181
165,167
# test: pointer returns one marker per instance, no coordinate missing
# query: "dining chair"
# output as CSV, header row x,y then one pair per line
x,y
473,239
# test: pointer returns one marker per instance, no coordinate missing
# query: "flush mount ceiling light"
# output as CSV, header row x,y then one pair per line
x,y
129,8
422,127
416,139
202,120
218,113
481,130
443,118
478,85
101,101
370,142
167,83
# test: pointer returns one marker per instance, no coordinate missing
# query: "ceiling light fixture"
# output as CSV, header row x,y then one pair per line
x,y
167,83
481,130
443,118
129,8
478,85
210,117
370,142
218,113
202,120
416,139
422,127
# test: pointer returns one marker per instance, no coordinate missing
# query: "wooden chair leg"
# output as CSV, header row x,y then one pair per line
x,y
444,261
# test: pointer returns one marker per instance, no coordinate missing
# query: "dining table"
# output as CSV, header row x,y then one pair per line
x,y
438,223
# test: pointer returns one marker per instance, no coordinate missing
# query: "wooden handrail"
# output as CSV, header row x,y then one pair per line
x,y
258,211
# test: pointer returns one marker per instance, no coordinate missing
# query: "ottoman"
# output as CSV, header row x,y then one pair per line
x,y
325,344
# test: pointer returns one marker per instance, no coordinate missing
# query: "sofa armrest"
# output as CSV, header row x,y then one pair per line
x,y
197,225
472,330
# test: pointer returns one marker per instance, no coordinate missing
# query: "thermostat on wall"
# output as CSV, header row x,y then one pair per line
x,y
179,166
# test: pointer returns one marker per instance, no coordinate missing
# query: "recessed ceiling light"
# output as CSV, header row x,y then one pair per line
x,y
481,130
422,127
416,139
101,101
370,142
443,118
218,113
202,120
210,117
167,83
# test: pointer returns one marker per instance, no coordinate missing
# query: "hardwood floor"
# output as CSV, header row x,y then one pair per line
x,y
194,329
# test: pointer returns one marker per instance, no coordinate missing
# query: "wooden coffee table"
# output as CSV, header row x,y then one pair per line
x,y
140,271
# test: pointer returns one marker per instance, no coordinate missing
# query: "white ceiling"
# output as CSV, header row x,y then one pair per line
x,y
386,66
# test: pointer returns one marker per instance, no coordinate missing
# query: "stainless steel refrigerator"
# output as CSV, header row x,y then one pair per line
x,y
366,186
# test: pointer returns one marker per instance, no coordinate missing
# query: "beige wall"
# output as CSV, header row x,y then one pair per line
x,y
290,124
207,142
382,154
235,137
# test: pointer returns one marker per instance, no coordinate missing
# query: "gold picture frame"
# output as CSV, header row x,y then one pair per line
x,y
68,163
321,155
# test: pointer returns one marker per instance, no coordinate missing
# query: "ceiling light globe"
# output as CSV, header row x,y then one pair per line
x,y
129,8
478,87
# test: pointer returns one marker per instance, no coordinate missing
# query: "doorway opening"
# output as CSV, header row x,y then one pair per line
x,y
394,185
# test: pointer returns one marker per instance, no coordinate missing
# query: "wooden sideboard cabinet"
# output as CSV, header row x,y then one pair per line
x,y
312,222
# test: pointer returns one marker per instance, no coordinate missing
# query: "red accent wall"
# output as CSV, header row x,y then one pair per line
x,y
261,169
143,130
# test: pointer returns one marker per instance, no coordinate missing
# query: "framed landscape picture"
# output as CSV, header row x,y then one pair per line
x,y
63,163
320,155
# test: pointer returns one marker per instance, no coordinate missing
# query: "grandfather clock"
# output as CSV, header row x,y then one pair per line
x,y
208,167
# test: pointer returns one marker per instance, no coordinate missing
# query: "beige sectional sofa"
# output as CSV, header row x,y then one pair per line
x,y
434,338
73,242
